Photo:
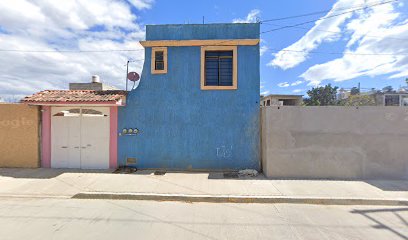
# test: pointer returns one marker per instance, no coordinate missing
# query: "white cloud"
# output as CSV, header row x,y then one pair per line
x,y
283,84
297,90
252,17
263,49
65,25
314,37
375,30
262,85
264,93
142,4
384,20
298,82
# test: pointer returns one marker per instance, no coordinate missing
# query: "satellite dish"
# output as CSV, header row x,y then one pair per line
x,y
133,76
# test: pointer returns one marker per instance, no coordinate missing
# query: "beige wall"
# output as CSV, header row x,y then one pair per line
x,y
335,142
19,136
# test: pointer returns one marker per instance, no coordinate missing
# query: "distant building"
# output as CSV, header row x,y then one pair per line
x,y
343,94
281,100
391,99
95,85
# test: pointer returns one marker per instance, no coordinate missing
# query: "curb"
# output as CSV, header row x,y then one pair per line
x,y
240,199
36,196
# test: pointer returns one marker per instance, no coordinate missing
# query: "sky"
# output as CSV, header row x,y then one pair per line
x,y
46,44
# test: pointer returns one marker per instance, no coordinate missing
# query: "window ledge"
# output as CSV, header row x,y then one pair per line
x,y
219,88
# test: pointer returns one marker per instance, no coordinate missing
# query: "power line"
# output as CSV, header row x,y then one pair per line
x,y
274,49
136,60
338,53
312,13
70,51
337,32
313,21
276,29
331,16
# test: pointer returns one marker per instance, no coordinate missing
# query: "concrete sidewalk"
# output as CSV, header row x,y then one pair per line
x,y
52,183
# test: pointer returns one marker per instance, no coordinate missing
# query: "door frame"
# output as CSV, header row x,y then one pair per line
x,y
46,133
72,155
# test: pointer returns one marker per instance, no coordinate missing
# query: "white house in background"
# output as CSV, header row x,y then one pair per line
x,y
281,100
392,99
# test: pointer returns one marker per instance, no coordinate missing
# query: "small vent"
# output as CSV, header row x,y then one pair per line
x,y
131,160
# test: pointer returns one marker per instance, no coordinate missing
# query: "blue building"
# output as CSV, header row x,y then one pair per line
x,y
197,104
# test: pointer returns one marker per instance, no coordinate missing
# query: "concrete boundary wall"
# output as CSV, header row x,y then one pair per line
x,y
19,135
335,142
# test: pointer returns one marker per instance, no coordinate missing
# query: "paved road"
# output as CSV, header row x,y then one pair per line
x,y
23,218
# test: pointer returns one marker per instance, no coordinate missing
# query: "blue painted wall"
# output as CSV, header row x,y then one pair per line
x,y
184,127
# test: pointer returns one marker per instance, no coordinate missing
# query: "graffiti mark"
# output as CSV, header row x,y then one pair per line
x,y
16,123
224,152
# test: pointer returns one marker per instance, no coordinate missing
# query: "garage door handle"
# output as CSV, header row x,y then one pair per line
x,y
64,147
83,147
76,147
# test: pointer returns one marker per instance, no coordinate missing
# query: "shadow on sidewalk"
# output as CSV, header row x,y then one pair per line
x,y
388,185
42,173
377,216
233,176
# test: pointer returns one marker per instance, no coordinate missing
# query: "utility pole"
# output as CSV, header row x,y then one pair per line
x,y
127,72
359,88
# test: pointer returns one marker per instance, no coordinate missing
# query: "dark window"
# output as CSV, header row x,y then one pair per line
x,y
268,103
392,100
159,60
218,68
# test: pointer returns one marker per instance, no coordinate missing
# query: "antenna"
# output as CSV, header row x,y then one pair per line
x,y
203,20
134,77
131,76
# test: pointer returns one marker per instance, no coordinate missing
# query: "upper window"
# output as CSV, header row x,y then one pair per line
x,y
218,67
159,60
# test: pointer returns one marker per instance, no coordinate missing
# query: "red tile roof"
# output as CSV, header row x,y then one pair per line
x,y
75,96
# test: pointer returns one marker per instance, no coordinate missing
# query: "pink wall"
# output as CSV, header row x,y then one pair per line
x,y
113,145
46,137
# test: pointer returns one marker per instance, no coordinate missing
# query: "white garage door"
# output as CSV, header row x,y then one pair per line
x,y
80,137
